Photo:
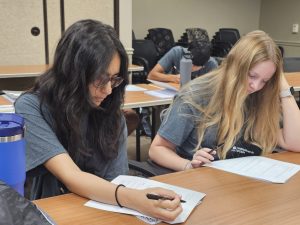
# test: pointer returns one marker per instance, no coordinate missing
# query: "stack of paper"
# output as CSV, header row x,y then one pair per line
x,y
168,90
258,167
12,95
7,109
192,198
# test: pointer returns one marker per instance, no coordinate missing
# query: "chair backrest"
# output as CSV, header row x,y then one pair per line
x,y
230,35
162,38
291,64
196,34
146,55
145,49
223,40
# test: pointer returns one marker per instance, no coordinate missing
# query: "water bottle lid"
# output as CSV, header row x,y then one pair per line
x,y
11,124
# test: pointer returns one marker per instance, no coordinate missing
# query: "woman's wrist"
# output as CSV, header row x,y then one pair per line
x,y
289,91
188,165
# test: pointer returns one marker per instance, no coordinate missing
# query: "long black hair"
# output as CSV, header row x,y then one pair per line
x,y
82,56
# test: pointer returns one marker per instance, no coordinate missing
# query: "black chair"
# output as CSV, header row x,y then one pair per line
x,y
223,41
147,168
291,64
162,38
146,55
281,50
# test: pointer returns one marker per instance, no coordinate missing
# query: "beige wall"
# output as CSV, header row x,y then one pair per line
x,y
277,18
208,14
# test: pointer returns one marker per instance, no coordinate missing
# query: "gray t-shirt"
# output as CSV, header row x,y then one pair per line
x,y
180,127
42,144
173,56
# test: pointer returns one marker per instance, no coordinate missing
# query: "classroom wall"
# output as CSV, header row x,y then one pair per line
x,y
208,14
277,18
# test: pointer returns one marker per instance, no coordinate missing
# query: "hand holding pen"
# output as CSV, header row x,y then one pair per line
x,y
175,70
202,156
160,197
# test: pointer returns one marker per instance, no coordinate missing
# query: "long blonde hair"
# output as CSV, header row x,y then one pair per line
x,y
230,107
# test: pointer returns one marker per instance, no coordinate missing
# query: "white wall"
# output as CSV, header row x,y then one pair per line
x,y
277,18
208,14
125,25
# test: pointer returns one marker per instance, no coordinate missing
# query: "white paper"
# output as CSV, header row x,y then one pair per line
x,y
163,85
258,167
131,87
12,95
7,109
165,93
191,197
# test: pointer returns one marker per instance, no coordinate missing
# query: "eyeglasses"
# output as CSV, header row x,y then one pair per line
x,y
114,82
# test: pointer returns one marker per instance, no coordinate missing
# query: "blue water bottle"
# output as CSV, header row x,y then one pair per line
x,y
185,68
12,151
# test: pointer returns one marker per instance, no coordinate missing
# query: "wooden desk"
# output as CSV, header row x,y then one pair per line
x,y
133,99
17,71
231,199
4,101
22,71
294,80
135,68
136,99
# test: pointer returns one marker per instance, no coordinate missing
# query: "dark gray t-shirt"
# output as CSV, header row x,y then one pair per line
x,y
42,144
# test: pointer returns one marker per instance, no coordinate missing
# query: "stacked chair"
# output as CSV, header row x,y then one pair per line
x,y
223,41
291,64
191,34
145,54
162,38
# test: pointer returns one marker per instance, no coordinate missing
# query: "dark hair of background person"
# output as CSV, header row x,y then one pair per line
x,y
200,51
82,56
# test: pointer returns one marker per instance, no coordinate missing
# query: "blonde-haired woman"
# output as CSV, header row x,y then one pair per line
x,y
243,108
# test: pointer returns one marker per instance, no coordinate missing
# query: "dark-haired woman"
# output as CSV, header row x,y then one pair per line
x,y
76,132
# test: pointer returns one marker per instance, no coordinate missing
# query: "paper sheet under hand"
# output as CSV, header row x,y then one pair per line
x,y
165,93
258,167
163,85
192,198
131,87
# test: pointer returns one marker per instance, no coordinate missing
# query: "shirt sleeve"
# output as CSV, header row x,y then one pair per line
x,y
178,122
41,142
171,58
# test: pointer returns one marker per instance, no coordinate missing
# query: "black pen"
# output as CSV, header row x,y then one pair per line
x,y
157,197
176,71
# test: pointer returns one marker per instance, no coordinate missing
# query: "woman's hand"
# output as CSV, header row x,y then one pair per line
x,y
166,210
174,78
202,156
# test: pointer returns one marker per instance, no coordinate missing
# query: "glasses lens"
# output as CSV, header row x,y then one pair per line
x,y
116,81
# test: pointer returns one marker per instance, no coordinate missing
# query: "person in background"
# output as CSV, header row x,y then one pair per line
x,y
168,67
243,108
75,130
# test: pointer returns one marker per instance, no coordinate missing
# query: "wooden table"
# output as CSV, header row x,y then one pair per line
x,y
16,71
4,101
294,80
134,99
231,199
